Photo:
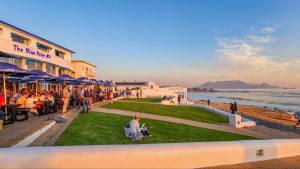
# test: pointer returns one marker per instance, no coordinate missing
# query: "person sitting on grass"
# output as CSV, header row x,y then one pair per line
x,y
136,131
297,117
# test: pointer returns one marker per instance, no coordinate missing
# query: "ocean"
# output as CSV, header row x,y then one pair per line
x,y
283,99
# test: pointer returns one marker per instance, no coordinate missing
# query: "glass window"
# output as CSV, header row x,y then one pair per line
x,y
30,64
48,68
43,47
19,39
59,54
1,30
39,66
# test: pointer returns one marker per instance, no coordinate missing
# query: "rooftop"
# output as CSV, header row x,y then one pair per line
x,y
83,62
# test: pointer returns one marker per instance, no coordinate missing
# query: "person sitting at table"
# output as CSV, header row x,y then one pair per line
x,y
41,97
22,100
31,103
1,99
49,97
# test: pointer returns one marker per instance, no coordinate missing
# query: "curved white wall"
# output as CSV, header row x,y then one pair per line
x,y
181,155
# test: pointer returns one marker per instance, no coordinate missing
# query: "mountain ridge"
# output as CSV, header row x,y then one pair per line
x,y
236,84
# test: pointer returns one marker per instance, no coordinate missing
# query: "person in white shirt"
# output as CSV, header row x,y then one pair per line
x,y
31,103
135,128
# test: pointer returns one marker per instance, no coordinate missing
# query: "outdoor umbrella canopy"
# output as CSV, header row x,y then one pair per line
x,y
67,79
41,76
85,81
9,70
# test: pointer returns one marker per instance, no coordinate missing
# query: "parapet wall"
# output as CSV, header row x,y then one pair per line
x,y
180,155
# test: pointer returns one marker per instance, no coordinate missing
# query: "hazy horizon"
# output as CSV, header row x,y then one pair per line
x,y
172,42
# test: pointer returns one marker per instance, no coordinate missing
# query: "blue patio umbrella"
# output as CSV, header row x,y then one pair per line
x,y
42,77
84,81
10,70
67,79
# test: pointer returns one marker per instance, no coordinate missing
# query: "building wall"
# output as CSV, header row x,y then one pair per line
x,y
30,51
83,69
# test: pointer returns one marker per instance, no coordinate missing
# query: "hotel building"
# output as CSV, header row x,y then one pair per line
x,y
29,51
83,69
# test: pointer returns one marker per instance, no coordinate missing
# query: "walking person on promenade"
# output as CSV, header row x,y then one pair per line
x,y
297,117
208,102
65,98
141,93
85,100
231,108
137,94
235,108
179,100
77,96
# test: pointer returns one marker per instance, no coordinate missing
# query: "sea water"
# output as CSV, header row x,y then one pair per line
x,y
283,99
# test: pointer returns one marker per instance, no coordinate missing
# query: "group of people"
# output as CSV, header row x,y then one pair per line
x,y
76,97
26,98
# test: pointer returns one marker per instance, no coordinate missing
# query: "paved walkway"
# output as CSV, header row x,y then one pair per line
x,y
11,134
258,131
281,163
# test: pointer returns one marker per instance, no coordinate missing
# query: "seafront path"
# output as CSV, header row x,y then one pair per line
x,y
273,116
257,131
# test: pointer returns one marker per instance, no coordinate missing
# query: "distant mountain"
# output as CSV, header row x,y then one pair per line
x,y
235,84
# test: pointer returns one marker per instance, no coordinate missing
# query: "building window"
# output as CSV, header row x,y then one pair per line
x,y
30,64
1,30
48,68
59,54
20,39
61,71
39,66
82,68
15,61
43,47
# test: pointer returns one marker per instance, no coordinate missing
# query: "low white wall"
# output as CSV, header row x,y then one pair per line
x,y
181,155
245,122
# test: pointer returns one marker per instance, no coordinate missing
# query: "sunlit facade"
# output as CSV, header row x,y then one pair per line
x,y
83,69
32,52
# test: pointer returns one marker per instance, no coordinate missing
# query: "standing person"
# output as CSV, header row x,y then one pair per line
x,y
65,98
208,102
111,96
141,93
179,100
235,108
297,117
77,97
137,94
85,100
231,108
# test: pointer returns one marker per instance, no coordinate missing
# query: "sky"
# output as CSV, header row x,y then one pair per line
x,y
172,42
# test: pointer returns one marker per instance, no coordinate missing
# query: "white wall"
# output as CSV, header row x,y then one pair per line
x,y
181,155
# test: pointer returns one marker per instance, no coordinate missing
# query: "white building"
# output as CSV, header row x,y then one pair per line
x,y
151,89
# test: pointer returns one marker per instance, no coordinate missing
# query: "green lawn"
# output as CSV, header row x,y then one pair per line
x,y
150,100
185,112
97,128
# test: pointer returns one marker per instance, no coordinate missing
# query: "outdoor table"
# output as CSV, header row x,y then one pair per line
x,y
24,110
13,111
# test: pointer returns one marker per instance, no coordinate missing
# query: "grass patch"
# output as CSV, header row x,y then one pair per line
x,y
184,112
96,128
149,100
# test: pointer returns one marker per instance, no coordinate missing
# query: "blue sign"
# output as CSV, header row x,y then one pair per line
x,y
31,52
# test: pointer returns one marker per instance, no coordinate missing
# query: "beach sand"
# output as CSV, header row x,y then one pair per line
x,y
274,116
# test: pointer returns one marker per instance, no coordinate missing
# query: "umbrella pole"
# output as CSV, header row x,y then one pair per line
x,y
4,92
4,88
36,87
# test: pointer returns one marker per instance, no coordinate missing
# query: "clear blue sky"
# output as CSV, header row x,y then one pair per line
x,y
184,42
